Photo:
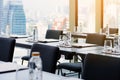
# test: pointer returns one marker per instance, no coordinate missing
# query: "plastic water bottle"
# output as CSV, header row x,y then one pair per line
x,y
35,67
35,34
8,31
107,30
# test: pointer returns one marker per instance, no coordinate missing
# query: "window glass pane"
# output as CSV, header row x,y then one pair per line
x,y
112,13
86,15
22,15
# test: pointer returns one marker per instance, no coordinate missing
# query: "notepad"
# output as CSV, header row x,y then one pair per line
x,y
47,40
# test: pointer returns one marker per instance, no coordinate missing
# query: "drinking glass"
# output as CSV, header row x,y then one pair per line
x,y
61,40
108,46
68,39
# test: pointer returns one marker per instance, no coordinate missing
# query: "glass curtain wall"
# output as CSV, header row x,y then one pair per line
x,y
86,15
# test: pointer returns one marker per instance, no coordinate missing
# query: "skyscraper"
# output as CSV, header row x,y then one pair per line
x,y
15,17
1,13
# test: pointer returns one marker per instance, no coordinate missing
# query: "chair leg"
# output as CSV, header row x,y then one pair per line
x,y
78,74
58,71
63,74
22,62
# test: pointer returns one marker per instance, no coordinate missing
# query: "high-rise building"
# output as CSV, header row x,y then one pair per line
x,y
15,17
1,13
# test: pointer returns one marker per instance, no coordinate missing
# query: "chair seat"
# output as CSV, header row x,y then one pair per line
x,y
26,58
71,66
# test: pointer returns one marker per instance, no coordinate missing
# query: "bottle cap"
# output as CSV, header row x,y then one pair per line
x,y
35,53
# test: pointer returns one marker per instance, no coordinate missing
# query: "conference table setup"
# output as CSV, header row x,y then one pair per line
x,y
74,47
59,39
12,71
94,44
24,43
78,48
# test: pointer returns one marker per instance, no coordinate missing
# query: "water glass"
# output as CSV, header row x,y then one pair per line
x,y
108,46
61,40
116,44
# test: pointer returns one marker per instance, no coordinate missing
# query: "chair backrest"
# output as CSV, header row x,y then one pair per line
x,y
113,30
7,46
96,38
53,34
49,56
101,67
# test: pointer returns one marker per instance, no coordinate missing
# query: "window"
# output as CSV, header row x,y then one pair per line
x,y
24,14
112,13
14,16
86,15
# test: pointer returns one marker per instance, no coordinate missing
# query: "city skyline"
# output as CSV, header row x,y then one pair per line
x,y
21,11
1,13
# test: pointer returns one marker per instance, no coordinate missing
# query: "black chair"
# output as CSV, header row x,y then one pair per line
x,y
76,67
93,38
53,34
101,67
7,46
50,34
48,54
